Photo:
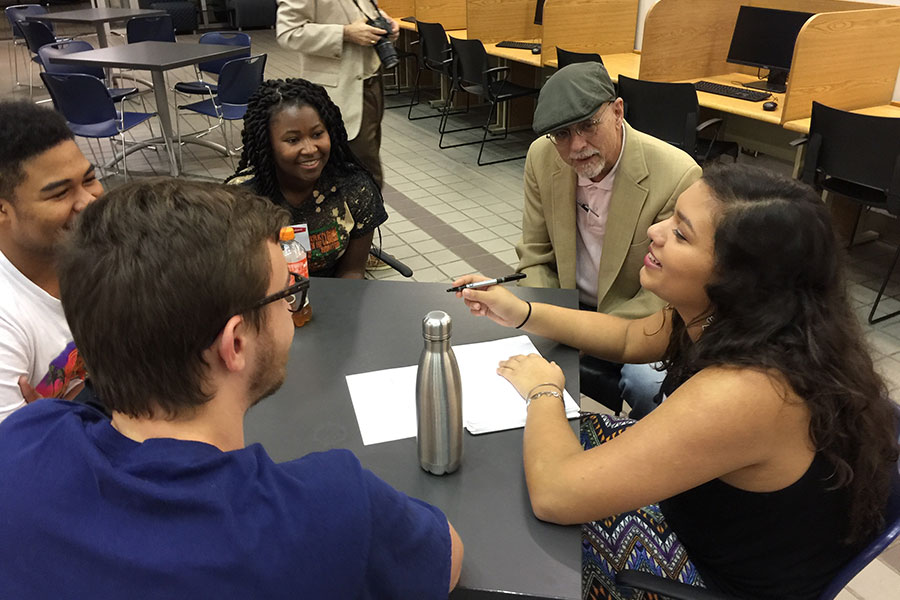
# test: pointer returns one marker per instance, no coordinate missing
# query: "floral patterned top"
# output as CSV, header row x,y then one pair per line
x,y
342,207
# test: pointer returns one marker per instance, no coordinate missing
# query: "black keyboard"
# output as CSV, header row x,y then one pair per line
x,y
519,45
409,19
730,91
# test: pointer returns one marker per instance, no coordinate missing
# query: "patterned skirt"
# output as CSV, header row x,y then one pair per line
x,y
639,540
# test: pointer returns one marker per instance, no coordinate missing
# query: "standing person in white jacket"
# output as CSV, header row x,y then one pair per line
x,y
337,51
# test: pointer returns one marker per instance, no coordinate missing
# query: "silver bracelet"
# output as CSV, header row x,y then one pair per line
x,y
555,393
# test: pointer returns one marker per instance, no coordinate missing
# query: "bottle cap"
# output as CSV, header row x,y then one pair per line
x,y
286,234
436,326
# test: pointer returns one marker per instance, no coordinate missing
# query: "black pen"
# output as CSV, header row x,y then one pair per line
x,y
488,283
588,209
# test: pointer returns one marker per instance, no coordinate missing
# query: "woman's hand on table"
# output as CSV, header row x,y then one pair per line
x,y
495,302
526,372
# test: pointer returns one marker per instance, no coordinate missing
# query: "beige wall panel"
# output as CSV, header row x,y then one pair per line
x,y
493,21
848,60
602,26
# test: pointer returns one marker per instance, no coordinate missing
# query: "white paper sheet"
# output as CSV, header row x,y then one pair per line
x,y
385,401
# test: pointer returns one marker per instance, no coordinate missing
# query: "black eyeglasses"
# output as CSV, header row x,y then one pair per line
x,y
294,293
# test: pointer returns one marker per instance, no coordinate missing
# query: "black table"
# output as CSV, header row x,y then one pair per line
x,y
155,57
360,326
98,17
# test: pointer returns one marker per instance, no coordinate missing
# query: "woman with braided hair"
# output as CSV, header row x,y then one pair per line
x,y
296,154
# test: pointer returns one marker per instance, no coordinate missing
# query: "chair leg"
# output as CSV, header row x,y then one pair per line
x,y
442,124
859,212
124,161
414,98
484,134
495,139
884,284
223,125
446,114
144,109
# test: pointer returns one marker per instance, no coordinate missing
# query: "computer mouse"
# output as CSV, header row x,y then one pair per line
x,y
770,106
535,50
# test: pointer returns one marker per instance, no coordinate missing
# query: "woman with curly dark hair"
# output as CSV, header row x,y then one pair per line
x,y
774,450
296,154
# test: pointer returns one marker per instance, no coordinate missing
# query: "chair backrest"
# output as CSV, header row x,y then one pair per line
x,y
667,111
564,58
36,34
890,533
158,28
470,62
860,149
62,49
239,79
82,99
18,12
225,38
435,47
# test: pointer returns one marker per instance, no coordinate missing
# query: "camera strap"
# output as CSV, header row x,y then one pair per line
x,y
374,5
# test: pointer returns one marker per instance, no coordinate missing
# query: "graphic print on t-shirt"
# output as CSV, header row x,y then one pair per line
x,y
64,372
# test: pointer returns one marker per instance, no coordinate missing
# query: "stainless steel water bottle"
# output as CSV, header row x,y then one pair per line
x,y
438,398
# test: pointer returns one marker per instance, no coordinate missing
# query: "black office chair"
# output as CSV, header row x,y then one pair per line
x,y
669,111
856,156
682,591
436,56
564,58
471,74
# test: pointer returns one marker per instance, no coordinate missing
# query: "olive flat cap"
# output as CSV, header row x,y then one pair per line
x,y
572,94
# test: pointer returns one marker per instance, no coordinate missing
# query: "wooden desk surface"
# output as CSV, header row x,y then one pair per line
x,y
736,106
884,110
625,63
522,56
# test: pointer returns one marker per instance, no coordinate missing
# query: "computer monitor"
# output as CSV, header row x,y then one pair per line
x,y
764,38
539,13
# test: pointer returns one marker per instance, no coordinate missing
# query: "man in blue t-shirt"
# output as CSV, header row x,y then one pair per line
x,y
178,297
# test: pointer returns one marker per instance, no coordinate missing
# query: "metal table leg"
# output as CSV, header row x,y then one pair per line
x,y
165,119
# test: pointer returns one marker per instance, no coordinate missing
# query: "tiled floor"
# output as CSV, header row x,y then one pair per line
x,y
449,217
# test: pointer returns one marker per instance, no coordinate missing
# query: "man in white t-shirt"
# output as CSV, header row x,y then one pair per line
x,y
45,181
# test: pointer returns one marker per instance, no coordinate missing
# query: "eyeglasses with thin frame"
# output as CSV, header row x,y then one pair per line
x,y
295,294
583,129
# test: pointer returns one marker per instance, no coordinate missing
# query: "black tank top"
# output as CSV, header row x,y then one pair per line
x,y
784,544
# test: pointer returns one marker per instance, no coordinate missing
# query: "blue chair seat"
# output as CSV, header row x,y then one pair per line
x,y
196,87
110,127
229,112
118,93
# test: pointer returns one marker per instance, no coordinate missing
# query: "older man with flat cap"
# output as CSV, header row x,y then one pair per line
x,y
593,185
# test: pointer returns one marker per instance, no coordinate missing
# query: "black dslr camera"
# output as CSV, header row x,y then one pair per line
x,y
385,49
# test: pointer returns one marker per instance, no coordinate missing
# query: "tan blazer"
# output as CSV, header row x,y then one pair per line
x,y
650,177
315,29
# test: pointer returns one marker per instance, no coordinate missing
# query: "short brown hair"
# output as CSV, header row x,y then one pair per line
x,y
151,273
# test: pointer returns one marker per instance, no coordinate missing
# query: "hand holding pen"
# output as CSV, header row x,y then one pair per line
x,y
487,282
486,298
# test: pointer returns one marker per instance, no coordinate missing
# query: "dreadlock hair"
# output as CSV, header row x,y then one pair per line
x,y
779,303
271,97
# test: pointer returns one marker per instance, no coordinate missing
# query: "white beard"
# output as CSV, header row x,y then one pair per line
x,y
591,169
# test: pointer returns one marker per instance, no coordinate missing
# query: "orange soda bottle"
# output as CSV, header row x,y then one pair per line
x,y
297,262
